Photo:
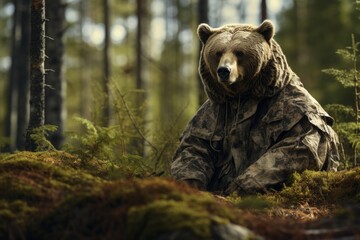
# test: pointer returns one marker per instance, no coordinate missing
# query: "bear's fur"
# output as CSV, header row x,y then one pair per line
x,y
259,125
249,51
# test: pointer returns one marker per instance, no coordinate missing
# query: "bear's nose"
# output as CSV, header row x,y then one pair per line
x,y
224,72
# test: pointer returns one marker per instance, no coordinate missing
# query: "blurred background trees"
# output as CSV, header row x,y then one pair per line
x,y
133,64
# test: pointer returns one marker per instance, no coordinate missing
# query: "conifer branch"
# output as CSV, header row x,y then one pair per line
x,y
132,119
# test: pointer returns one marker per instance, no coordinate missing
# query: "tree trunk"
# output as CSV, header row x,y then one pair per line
x,y
84,75
37,72
263,13
11,115
24,75
139,36
141,12
107,65
141,45
55,110
203,9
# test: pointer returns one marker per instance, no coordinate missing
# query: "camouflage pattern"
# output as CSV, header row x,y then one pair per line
x,y
249,145
253,144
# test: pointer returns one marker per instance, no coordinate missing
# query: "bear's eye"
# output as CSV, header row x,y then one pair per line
x,y
218,54
239,54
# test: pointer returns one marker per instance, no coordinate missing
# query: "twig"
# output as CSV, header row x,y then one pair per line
x,y
138,130
167,143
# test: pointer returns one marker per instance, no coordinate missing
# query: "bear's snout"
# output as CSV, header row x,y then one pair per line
x,y
224,73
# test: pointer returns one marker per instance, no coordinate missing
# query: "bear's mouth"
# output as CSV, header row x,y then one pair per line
x,y
234,87
229,81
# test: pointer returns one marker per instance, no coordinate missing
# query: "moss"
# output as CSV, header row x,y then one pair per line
x,y
53,157
14,216
31,184
319,188
149,221
47,195
62,198
33,176
139,208
255,203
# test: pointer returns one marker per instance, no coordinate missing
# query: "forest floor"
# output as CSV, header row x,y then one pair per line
x,y
55,195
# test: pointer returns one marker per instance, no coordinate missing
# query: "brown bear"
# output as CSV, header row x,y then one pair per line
x,y
259,124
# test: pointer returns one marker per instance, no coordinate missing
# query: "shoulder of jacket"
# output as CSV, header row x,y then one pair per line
x,y
291,105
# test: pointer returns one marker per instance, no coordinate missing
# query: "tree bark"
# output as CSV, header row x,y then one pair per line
x,y
55,110
107,65
141,32
37,71
11,115
84,75
24,75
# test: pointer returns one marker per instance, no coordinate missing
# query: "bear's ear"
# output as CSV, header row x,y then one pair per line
x,y
266,29
204,31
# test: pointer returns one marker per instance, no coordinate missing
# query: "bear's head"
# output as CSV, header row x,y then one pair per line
x,y
236,58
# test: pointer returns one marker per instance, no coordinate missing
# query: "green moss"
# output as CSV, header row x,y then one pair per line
x,y
255,203
45,195
31,184
147,222
323,188
140,208
53,157
13,218
33,176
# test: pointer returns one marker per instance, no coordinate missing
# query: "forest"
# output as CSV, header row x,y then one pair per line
x,y
96,93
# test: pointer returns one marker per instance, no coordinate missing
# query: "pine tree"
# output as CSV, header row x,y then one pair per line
x,y
37,79
348,126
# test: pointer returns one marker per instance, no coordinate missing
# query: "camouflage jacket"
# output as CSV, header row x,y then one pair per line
x,y
253,145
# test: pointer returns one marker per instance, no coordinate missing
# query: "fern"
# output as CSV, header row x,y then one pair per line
x,y
39,135
94,142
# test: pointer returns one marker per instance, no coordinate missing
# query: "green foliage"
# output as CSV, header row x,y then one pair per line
x,y
348,118
342,76
95,142
141,137
306,35
100,151
39,136
322,188
340,112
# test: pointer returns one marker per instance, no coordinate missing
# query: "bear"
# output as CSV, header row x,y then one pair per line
x,y
259,124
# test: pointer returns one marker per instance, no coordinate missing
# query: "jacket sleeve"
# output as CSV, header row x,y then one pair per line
x,y
194,159
307,145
